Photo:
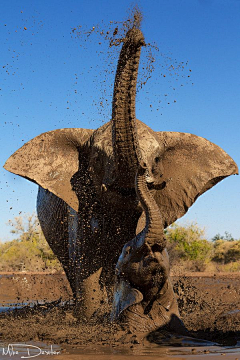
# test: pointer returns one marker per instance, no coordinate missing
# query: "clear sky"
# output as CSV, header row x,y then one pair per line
x,y
52,78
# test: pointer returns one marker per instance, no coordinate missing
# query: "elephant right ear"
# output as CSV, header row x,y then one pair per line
x,y
50,160
191,166
124,296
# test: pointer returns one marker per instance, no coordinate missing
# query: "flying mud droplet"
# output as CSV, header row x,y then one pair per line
x,y
106,40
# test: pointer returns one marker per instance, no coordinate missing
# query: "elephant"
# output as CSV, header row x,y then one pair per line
x,y
87,203
143,296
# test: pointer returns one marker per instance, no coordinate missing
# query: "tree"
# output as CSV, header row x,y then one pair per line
x,y
188,243
227,236
29,251
26,227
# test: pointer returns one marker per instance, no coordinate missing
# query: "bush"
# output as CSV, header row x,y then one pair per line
x,y
226,251
29,251
188,243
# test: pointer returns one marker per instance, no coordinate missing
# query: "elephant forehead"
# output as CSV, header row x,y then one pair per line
x,y
148,141
102,138
148,144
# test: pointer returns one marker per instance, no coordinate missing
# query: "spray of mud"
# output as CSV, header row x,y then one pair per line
x,y
157,68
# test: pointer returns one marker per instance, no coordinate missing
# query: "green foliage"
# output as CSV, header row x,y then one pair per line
x,y
29,251
227,237
188,247
189,243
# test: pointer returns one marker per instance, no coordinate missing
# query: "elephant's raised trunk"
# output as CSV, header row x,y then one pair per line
x,y
125,142
154,225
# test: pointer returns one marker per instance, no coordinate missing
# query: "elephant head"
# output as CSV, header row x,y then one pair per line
x,y
87,203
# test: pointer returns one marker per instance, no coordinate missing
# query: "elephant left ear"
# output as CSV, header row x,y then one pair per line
x,y
124,296
191,166
50,160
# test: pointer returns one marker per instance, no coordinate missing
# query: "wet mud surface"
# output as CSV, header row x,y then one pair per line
x,y
209,307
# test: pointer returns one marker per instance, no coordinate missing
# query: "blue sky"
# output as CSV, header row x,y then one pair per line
x,y
51,78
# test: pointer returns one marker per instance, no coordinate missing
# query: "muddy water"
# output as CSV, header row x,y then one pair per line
x,y
45,351
47,328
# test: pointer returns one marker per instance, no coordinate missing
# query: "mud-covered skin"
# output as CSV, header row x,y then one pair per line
x,y
124,134
87,203
144,299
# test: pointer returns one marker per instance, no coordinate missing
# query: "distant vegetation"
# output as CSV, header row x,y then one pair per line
x,y
187,246
190,251
29,251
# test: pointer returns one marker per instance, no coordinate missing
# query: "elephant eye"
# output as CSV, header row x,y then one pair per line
x,y
128,250
157,159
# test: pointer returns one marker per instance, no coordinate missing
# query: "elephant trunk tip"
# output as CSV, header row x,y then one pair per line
x,y
135,36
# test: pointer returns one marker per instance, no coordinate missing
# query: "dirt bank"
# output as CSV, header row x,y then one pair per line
x,y
209,307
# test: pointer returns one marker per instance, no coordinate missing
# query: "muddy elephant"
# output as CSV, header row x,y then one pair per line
x,y
87,203
143,295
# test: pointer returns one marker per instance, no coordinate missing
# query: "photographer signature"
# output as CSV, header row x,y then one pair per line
x,y
27,351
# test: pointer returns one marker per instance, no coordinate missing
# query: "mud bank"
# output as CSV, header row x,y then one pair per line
x,y
209,307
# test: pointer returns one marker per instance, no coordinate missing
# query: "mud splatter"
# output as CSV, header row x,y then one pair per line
x,y
158,67
209,307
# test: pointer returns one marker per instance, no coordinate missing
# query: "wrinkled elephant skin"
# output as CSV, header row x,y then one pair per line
x,y
144,299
